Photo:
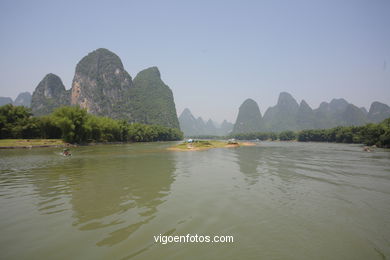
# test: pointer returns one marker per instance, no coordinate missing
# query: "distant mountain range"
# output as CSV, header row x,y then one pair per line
x,y
23,99
192,126
287,114
103,87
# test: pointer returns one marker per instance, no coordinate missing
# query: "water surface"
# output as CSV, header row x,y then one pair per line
x,y
278,200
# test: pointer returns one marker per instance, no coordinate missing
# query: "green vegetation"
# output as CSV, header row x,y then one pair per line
x,y
16,122
370,134
199,145
151,100
287,136
104,88
75,125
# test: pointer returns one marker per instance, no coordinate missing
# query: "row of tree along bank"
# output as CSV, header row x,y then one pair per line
x,y
370,134
75,125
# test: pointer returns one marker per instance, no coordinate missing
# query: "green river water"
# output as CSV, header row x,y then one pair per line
x,y
279,200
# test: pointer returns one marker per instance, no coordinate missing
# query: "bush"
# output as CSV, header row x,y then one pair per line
x,y
370,134
75,125
287,136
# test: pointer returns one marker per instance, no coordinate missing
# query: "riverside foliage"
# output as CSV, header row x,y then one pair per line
x,y
75,125
369,134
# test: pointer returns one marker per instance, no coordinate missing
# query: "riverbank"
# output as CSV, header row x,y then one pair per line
x,y
39,143
206,145
31,143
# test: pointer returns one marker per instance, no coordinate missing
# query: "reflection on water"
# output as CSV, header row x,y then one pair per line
x,y
141,182
249,159
115,188
278,200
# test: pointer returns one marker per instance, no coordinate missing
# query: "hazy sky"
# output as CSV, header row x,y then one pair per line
x,y
213,54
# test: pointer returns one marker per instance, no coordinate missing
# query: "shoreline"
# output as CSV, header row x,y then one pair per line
x,y
45,143
213,144
32,146
32,143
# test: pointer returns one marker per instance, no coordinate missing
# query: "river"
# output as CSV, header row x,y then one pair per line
x,y
278,200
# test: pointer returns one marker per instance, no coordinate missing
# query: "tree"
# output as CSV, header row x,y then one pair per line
x,y
17,122
72,122
75,125
287,136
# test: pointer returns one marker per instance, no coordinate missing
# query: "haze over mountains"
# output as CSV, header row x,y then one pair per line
x,y
249,118
103,87
287,114
192,126
23,99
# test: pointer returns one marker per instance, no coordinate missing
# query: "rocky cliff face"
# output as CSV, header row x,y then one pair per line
x,y
102,86
151,101
99,84
249,118
48,95
23,99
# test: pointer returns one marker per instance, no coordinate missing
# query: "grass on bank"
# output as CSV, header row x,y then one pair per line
x,y
199,145
202,145
30,142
